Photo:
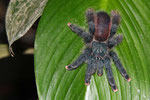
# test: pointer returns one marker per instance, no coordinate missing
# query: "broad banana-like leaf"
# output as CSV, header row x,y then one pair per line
x,y
57,46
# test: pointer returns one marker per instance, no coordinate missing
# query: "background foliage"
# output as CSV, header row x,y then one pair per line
x,y
20,16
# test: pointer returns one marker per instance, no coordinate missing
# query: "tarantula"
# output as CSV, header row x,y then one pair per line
x,y
99,43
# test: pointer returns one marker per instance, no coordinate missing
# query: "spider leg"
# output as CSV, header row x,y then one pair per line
x,y
79,31
90,19
119,66
79,60
115,23
114,41
100,67
110,74
91,69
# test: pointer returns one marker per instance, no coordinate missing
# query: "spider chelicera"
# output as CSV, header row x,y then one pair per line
x,y
99,43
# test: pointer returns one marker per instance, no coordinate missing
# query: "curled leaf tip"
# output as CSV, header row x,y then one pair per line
x,y
11,52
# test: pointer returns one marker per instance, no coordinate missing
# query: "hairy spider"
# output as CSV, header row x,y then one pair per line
x,y
99,43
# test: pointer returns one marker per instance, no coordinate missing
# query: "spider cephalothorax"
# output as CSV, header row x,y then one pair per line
x,y
99,43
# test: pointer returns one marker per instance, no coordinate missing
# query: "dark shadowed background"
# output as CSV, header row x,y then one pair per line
x,y
17,80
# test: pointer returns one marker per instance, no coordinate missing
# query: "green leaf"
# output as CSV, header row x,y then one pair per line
x,y
56,46
3,51
21,14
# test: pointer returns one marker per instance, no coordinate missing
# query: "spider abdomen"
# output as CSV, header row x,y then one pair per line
x,y
102,26
99,49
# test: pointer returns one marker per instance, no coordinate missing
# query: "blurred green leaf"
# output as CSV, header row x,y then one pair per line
x,y
3,51
56,46
20,16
